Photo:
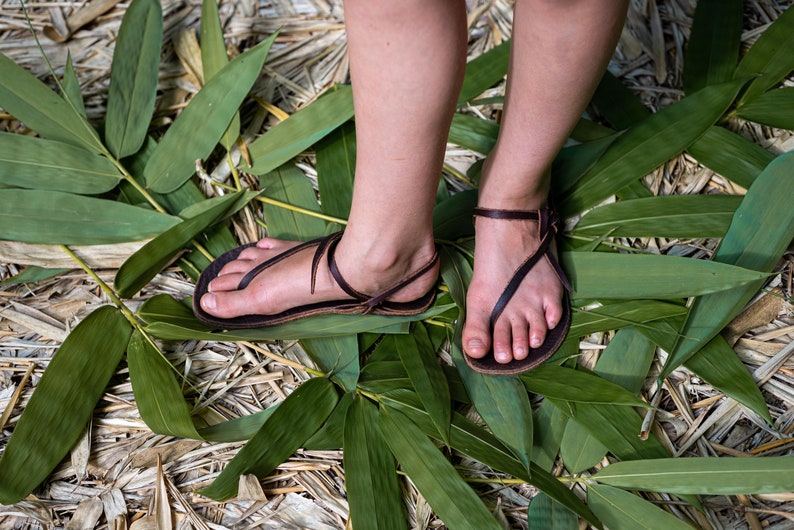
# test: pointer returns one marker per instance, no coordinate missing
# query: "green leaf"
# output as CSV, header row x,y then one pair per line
x,y
550,424
32,102
208,113
502,402
617,104
32,274
134,77
713,48
452,219
65,397
30,162
435,478
731,155
71,87
150,259
774,108
574,161
331,436
337,357
544,512
214,58
289,185
301,130
456,273
421,364
649,144
473,133
158,396
336,169
762,229
237,429
638,276
772,56
621,314
295,420
672,216
373,491
484,71
703,475
621,510
56,218
580,451
576,386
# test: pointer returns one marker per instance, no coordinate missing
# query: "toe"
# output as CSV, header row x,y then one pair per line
x,y
225,304
225,282
476,335
520,333
553,314
503,341
537,329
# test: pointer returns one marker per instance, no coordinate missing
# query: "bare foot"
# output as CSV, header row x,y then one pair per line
x,y
502,246
287,284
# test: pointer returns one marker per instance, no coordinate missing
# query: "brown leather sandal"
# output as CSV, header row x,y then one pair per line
x,y
548,226
359,303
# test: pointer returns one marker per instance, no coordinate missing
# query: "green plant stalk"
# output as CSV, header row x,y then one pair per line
x,y
286,206
283,360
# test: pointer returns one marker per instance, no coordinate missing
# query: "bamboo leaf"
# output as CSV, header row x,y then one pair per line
x,y
71,87
580,451
550,424
649,144
214,58
421,364
435,478
379,377
544,512
56,218
762,229
502,402
65,397
237,429
621,314
289,185
301,130
373,491
774,108
29,162
617,103
772,56
673,216
32,102
295,420
336,169
210,111
731,155
337,357
621,510
150,259
638,276
574,161
473,133
576,386
157,394
32,274
703,475
134,77
713,48
484,71
452,219
331,436
456,273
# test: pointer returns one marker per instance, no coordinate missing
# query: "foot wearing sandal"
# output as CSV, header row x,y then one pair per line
x,y
535,315
301,283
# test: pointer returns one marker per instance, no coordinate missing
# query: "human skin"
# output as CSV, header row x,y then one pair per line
x,y
407,60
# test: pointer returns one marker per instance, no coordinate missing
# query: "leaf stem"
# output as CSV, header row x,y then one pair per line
x,y
283,360
298,209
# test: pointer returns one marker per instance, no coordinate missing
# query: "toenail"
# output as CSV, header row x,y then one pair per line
x,y
502,356
209,301
476,344
536,342
520,351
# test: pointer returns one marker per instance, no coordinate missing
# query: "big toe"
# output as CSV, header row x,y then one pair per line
x,y
476,337
225,304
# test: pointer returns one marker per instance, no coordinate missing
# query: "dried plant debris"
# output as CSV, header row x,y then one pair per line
x,y
121,474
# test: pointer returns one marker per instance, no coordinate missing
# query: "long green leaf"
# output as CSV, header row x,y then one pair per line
x,y
157,393
32,102
199,127
574,161
550,425
713,48
649,144
301,130
621,510
772,56
762,229
703,475
421,364
473,133
29,162
336,356
295,420
214,58
331,436
71,87
237,429
774,108
576,386
619,315
56,218
681,216
544,512
617,103
150,259
63,402
336,169
484,71
134,77
637,276
435,478
373,491
289,185
731,155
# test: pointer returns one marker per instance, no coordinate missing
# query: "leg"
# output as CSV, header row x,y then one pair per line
x,y
407,60
559,52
